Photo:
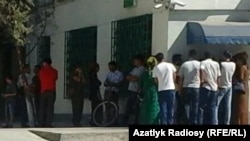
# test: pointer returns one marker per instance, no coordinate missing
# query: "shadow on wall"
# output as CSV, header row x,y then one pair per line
x,y
179,46
243,5
201,15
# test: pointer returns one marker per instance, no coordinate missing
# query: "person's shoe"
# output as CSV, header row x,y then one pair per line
x,y
5,126
49,126
10,126
25,126
37,125
77,125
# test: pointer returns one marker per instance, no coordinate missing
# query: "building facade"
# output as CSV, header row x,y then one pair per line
x,y
83,31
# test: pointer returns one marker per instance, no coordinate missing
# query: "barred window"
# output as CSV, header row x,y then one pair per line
x,y
131,37
80,50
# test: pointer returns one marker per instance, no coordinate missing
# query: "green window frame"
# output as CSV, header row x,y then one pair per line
x,y
129,3
80,49
130,37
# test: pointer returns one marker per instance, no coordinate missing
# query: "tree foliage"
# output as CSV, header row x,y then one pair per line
x,y
18,18
14,21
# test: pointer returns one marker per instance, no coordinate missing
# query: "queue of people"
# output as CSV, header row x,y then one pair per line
x,y
211,92
195,92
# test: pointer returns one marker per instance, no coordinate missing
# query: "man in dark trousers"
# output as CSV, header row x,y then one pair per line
x,y
36,89
48,77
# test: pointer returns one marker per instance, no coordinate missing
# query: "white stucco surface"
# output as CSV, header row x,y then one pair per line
x,y
169,31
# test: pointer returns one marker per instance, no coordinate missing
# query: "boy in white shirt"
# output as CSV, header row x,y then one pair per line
x,y
210,74
225,88
165,74
189,79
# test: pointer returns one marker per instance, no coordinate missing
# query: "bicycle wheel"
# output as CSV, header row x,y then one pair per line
x,y
105,113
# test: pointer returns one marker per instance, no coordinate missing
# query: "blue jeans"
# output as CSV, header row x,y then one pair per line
x,y
9,112
31,110
191,100
224,100
167,101
207,113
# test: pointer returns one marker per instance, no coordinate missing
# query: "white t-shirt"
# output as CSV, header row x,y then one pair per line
x,y
190,73
21,79
211,72
164,72
227,71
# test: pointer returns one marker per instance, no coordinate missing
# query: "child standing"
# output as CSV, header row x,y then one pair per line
x,y
9,97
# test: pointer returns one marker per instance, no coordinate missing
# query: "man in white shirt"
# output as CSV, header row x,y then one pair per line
x,y
25,83
210,74
189,81
225,89
165,74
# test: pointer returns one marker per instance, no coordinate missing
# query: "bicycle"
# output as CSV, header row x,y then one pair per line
x,y
105,113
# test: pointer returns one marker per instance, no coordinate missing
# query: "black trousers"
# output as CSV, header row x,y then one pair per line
x,y
132,107
180,115
95,101
46,108
77,108
23,109
37,105
113,97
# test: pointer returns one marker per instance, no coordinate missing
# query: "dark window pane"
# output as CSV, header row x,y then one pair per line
x,y
80,49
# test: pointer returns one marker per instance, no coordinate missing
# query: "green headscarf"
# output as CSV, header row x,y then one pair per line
x,y
151,63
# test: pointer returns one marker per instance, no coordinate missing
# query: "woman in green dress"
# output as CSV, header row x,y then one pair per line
x,y
149,111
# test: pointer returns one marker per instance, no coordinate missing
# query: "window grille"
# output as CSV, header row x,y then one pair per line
x,y
80,50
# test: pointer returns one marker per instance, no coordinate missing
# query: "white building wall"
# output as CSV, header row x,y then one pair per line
x,y
85,13
215,5
205,11
167,36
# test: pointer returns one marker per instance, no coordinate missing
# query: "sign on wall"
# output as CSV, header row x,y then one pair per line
x,y
129,3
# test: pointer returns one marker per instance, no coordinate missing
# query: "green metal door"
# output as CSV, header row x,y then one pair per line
x,y
131,37
80,50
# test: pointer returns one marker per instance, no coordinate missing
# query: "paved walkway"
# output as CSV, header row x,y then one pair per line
x,y
18,135
64,134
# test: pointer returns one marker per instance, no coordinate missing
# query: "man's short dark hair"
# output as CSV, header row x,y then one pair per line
x,y
227,54
113,63
139,57
9,77
47,61
192,53
26,66
159,57
38,67
176,58
208,55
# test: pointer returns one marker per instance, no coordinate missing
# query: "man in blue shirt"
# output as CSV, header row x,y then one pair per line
x,y
112,84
